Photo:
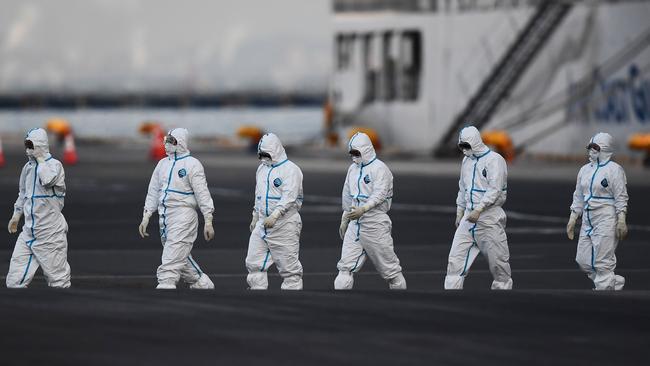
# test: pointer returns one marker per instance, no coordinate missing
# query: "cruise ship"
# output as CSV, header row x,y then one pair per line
x,y
549,74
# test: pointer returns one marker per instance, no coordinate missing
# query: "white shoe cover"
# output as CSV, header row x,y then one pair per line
x,y
204,283
397,283
292,283
344,281
257,281
620,283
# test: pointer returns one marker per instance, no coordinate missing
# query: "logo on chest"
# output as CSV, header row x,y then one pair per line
x,y
366,179
484,172
182,173
277,182
604,183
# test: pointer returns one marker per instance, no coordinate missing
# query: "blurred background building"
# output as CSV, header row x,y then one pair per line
x,y
539,76
542,75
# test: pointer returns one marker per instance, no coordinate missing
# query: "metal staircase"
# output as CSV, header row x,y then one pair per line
x,y
507,71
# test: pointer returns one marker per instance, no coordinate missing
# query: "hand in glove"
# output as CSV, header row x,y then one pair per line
x,y
270,221
570,227
143,225
356,212
459,215
621,226
474,215
208,229
344,224
251,226
13,223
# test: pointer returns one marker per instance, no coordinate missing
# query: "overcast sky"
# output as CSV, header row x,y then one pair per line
x,y
134,45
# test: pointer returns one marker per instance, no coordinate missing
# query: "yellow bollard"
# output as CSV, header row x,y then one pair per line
x,y
58,126
252,133
641,141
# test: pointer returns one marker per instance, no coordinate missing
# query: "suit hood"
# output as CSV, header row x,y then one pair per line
x,y
38,137
182,140
472,136
361,142
606,143
271,144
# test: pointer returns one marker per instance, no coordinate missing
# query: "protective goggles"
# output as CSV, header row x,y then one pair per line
x,y
355,153
593,146
464,146
169,139
263,154
29,144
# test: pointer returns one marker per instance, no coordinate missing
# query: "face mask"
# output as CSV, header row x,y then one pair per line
x,y
169,148
265,158
357,160
593,155
29,148
467,153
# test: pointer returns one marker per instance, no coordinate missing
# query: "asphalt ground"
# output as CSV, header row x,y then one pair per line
x,y
113,316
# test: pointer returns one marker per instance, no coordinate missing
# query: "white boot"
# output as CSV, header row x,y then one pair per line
x,y
292,283
397,283
620,283
203,283
344,281
166,286
257,281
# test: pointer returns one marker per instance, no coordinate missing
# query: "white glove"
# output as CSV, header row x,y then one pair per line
x,y
474,215
13,223
145,222
251,226
459,215
270,221
356,212
208,229
570,227
344,224
621,226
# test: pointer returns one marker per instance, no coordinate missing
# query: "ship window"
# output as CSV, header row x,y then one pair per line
x,y
389,56
371,67
344,49
410,65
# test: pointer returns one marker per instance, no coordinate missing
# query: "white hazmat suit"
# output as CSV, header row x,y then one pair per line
x,y
480,219
276,223
177,188
366,228
601,199
43,241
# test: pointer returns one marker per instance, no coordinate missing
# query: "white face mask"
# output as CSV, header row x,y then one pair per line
x,y
266,161
169,148
593,155
29,152
467,152
357,159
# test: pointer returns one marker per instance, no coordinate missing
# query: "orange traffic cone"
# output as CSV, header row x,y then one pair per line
x,y
157,150
2,155
69,150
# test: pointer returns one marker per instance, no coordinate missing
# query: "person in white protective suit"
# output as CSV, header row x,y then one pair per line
x,y
43,241
365,226
601,199
480,220
177,187
276,224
